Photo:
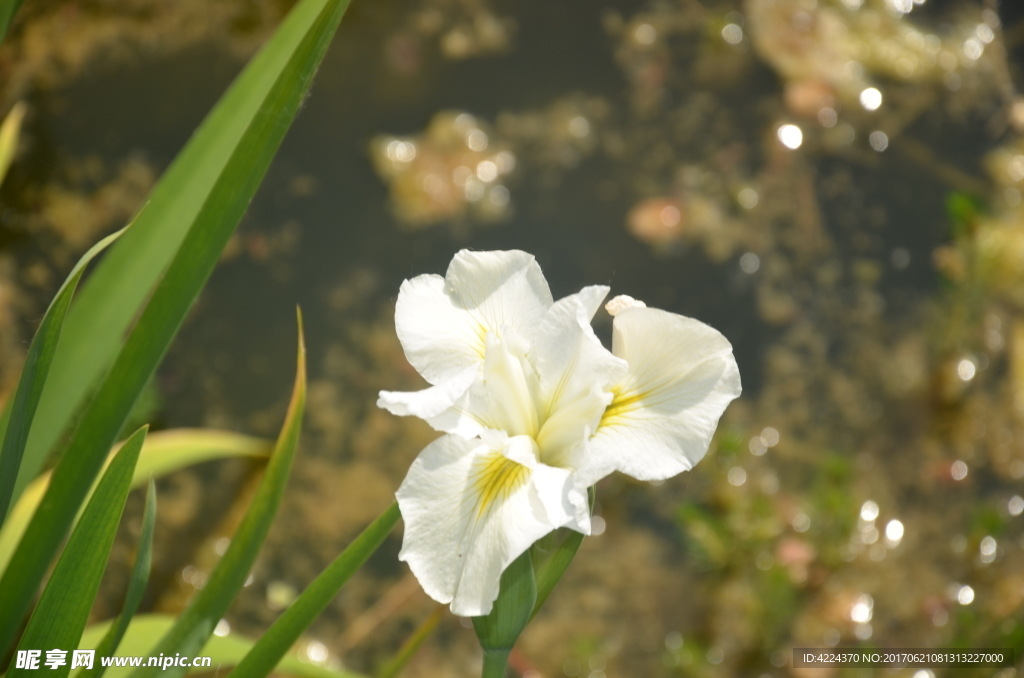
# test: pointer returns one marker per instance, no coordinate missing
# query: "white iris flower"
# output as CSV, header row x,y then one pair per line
x,y
536,410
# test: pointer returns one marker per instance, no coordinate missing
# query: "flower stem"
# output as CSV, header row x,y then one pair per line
x,y
495,663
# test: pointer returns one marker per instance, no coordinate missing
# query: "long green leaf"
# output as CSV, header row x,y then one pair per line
x,y
163,452
33,374
193,262
169,451
287,628
63,610
136,587
194,626
10,130
224,651
210,183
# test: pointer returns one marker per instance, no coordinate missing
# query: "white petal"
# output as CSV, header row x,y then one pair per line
x,y
500,395
575,372
573,501
682,375
430,402
563,437
557,347
504,395
511,386
469,511
556,488
440,339
500,288
442,322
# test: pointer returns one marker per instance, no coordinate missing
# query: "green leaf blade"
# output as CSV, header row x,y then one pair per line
x,y
89,344
195,625
136,587
34,373
254,114
287,628
163,452
63,610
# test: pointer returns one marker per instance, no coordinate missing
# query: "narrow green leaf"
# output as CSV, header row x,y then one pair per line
x,y
37,365
163,452
287,628
152,333
63,609
411,645
195,625
204,192
136,587
191,214
218,208
10,130
169,451
224,651
551,558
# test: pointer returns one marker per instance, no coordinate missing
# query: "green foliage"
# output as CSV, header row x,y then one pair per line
x,y
37,366
146,630
189,215
136,587
147,407
88,372
265,655
162,453
190,221
63,609
194,626
169,451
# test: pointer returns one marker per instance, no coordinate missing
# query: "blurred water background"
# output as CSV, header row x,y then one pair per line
x,y
833,184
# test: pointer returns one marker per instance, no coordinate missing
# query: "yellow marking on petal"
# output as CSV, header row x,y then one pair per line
x,y
621,404
496,478
480,346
